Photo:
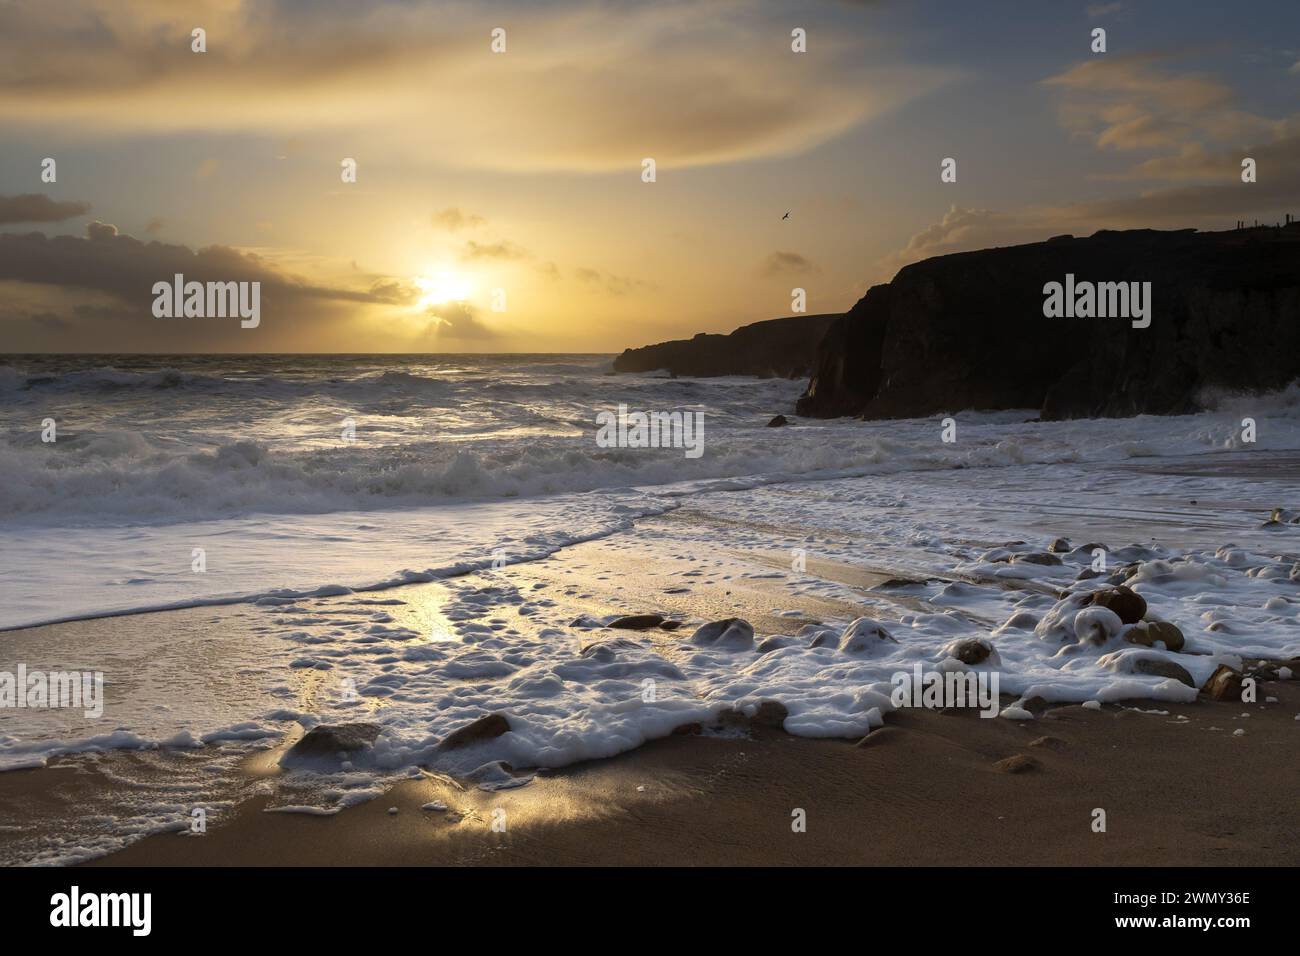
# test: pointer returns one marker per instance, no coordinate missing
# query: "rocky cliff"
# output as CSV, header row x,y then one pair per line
x,y
968,330
780,348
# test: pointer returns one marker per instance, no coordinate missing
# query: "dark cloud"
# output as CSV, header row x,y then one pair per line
x,y
456,320
38,207
101,289
787,263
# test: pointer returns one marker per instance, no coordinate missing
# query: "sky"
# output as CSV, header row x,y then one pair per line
x,y
499,201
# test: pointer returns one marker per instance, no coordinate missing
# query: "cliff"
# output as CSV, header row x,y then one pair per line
x,y
969,331
776,348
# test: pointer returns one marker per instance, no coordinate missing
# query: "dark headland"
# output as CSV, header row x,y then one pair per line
x,y
776,348
968,331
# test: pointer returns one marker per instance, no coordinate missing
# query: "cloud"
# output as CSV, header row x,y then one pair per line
x,y
493,250
101,287
1213,197
611,284
453,219
786,263
38,207
1129,102
456,320
589,87
962,230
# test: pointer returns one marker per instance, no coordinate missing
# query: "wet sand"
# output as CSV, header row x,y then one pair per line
x,y
926,789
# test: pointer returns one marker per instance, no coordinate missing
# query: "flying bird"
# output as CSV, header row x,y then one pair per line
x,y
785,217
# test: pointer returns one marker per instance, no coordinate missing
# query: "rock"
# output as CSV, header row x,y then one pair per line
x,y
1097,625
967,330
1048,743
1224,684
1036,557
777,422
1058,623
971,650
773,644
1124,601
1021,620
732,633
1035,705
1087,574
670,625
1020,763
1148,633
602,653
865,636
686,730
1059,546
485,728
328,740
770,713
781,348
637,622
1163,667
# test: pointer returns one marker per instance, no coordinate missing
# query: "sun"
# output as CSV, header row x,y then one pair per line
x,y
442,286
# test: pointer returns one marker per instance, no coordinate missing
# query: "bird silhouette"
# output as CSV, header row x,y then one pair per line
x,y
785,217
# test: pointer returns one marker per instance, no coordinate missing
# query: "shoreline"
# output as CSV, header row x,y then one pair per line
x,y
1187,789
927,789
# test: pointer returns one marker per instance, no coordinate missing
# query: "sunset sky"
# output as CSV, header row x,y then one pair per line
x,y
522,170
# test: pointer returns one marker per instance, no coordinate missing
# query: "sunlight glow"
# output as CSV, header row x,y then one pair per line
x,y
442,286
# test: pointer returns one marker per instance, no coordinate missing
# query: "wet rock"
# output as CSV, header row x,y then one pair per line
x,y
1021,620
1224,684
1149,633
1048,743
485,728
1163,667
777,422
637,622
1088,549
1097,625
774,644
1037,557
1124,601
864,636
670,625
602,653
1058,623
1020,763
732,633
971,651
687,730
1035,705
327,740
1087,574
1060,546
770,713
